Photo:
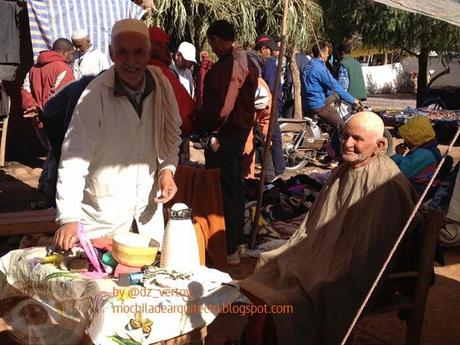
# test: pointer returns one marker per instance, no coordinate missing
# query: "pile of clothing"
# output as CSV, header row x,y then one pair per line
x,y
435,115
284,203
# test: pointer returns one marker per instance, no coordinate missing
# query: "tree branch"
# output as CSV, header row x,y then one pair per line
x,y
410,52
437,76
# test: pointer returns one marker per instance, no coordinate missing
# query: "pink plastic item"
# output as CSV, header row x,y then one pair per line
x,y
91,253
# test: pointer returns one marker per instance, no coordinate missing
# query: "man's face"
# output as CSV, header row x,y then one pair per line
x,y
265,52
130,52
181,63
82,45
276,53
69,55
359,144
214,43
324,54
160,51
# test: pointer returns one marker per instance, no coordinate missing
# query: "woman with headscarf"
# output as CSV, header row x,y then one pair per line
x,y
419,155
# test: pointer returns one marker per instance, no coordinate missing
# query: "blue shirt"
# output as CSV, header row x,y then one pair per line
x,y
269,71
318,83
414,162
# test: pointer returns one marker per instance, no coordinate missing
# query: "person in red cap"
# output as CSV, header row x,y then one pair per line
x,y
161,58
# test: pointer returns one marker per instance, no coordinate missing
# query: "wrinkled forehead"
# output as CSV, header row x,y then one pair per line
x,y
130,39
359,129
80,41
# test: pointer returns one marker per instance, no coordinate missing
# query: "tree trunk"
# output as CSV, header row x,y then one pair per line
x,y
296,83
422,80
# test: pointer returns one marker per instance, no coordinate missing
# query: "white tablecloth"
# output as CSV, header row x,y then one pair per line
x,y
63,305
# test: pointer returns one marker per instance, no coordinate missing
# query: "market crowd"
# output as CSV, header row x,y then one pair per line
x,y
116,133
225,106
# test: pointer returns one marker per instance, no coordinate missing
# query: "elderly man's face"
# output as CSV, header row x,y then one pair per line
x,y
130,52
82,45
359,144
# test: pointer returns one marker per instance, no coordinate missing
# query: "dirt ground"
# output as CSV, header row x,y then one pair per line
x,y
18,182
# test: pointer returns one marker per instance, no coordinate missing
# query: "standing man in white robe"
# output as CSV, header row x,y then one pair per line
x,y
88,60
121,149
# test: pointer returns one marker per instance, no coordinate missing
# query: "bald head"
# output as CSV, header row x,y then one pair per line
x,y
362,138
369,121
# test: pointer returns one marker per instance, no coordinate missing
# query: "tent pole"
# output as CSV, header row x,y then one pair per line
x,y
399,239
255,223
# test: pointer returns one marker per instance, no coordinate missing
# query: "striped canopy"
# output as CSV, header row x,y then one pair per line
x,y
52,19
446,10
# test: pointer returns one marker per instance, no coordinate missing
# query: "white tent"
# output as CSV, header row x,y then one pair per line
x,y
446,10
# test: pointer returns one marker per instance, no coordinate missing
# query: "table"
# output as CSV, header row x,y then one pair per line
x,y
445,122
437,116
65,306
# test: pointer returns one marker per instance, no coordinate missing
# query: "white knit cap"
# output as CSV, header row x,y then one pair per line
x,y
188,51
79,34
130,25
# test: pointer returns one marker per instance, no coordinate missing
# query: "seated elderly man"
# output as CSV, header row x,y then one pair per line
x,y
121,148
329,264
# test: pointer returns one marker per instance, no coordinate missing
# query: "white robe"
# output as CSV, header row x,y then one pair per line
x,y
111,158
185,78
91,62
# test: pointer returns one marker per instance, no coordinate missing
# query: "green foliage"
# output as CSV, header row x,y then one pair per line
x,y
189,19
381,26
386,27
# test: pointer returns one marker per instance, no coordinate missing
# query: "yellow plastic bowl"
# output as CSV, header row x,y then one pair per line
x,y
134,250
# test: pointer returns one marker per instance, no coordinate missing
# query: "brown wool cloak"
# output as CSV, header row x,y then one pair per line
x,y
330,262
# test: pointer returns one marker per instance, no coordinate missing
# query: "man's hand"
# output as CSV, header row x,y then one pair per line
x,y
66,236
31,112
401,149
167,186
357,105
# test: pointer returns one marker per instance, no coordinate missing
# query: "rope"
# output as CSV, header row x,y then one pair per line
x,y
403,232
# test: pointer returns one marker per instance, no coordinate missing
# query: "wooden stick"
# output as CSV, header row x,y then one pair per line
x,y
4,131
255,223
403,232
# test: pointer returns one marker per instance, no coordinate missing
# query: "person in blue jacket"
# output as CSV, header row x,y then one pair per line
x,y
265,45
318,84
419,155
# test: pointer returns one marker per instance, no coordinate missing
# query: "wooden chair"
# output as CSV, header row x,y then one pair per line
x,y
423,278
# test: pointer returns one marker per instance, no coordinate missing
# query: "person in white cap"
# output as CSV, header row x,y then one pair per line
x,y
182,62
88,60
121,148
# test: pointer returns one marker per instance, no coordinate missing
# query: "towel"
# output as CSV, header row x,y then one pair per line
x,y
200,189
